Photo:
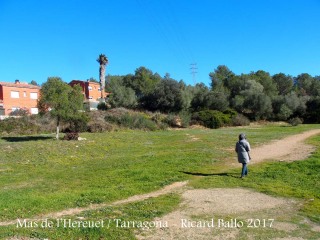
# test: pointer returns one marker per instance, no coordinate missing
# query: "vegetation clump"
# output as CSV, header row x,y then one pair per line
x,y
212,118
71,136
295,121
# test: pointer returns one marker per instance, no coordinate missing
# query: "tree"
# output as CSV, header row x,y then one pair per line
x,y
33,82
63,101
92,80
218,100
258,106
296,104
220,76
236,84
142,82
264,78
281,111
304,82
283,82
198,101
166,97
121,96
252,100
313,110
103,61
315,87
187,94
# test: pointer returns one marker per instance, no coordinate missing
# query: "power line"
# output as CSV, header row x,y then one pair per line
x,y
169,28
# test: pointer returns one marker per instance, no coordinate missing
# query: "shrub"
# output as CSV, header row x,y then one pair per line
x,y
158,118
44,122
71,136
240,120
185,118
78,124
18,126
173,120
295,121
98,126
212,118
132,121
231,112
20,112
102,106
97,122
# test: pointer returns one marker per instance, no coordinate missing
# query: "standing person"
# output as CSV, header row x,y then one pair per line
x,y
243,149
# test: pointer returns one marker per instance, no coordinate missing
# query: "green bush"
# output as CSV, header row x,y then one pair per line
x,y
102,106
295,121
212,118
181,120
18,126
132,121
78,124
185,118
158,117
172,120
240,120
231,112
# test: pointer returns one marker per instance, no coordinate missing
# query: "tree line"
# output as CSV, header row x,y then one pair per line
x,y
230,99
257,95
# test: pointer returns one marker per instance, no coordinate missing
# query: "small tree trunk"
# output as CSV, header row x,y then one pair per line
x,y
57,133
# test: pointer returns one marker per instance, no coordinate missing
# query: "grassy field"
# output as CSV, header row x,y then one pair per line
x,y
41,175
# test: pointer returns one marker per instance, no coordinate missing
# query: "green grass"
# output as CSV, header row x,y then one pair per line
x,y
144,211
41,175
299,179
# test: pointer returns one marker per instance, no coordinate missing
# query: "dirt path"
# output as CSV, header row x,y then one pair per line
x,y
290,148
210,208
287,149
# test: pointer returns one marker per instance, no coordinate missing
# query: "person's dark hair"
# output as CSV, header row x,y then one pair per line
x,y
242,136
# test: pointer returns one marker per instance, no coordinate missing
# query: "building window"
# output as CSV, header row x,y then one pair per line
x,y
14,109
90,88
34,95
14,94
90,97
34,111
24,94
99,89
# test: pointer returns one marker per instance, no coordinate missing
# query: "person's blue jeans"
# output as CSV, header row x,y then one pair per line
x,y
244,170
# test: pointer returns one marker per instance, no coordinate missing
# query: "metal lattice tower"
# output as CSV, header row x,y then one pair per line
x,y
194,69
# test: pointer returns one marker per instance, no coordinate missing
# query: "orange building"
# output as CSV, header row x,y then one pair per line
x,y
14,96
91,92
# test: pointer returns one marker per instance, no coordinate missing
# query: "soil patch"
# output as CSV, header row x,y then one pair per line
x,y
210,205
288,149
